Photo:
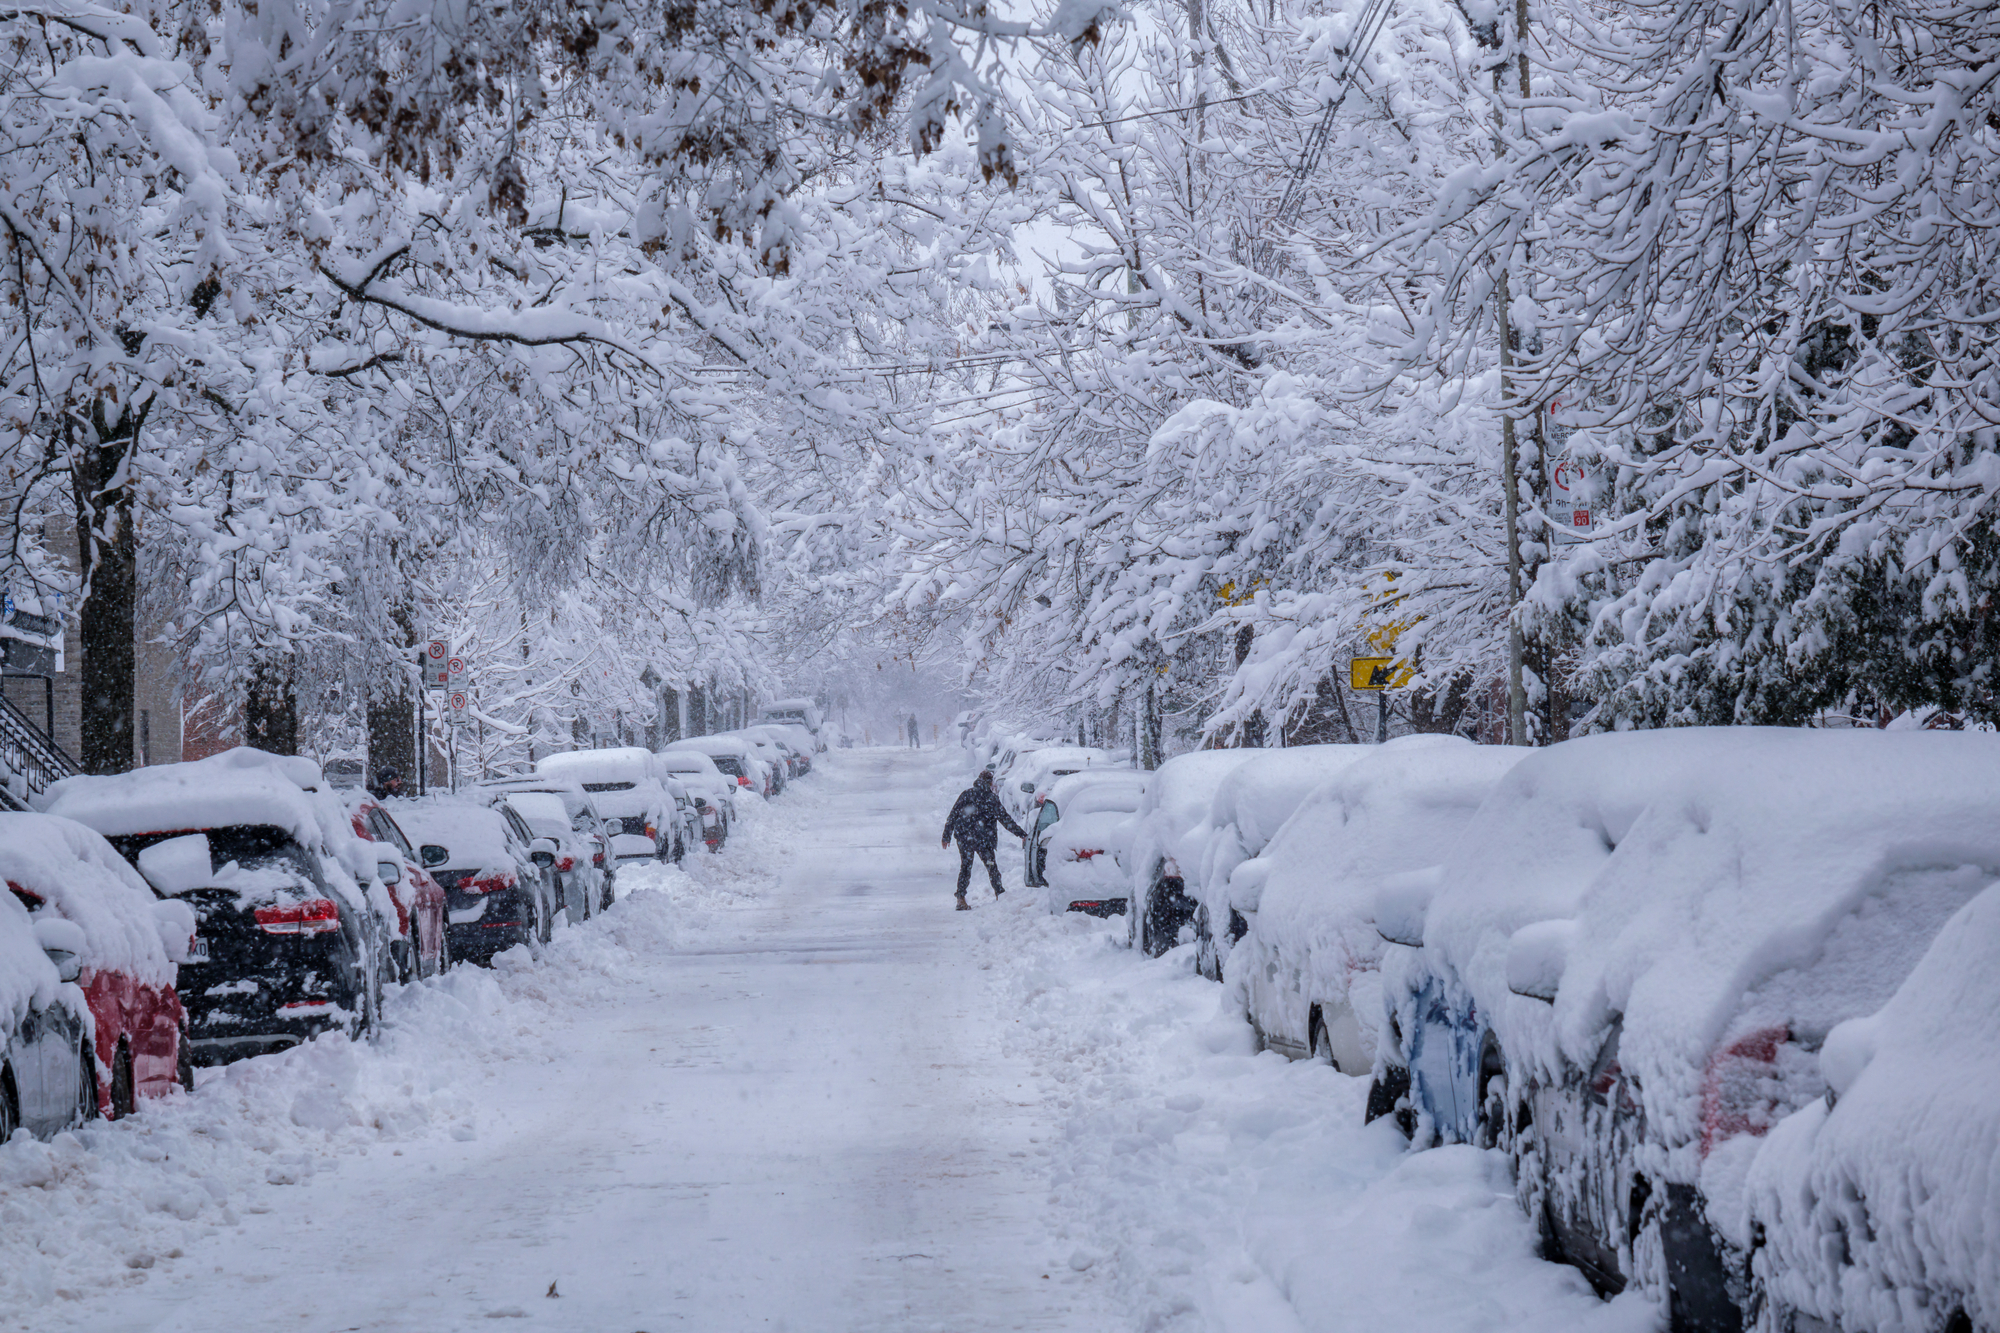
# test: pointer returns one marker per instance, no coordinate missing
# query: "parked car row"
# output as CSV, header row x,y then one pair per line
x,y
1725,996
197,913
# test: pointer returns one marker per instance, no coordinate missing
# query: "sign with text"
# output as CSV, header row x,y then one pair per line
x,y
1571,504
436,653
457,707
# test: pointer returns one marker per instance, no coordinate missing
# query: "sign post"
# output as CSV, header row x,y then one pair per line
x,y
1570,511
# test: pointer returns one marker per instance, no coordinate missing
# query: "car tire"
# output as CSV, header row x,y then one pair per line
x,y
10,1104
1321,1045
86,1086
444,947
124,1089
1386,1089
545,918
605,906
184,1062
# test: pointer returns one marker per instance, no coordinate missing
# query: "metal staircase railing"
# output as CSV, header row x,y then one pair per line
x,y
29,758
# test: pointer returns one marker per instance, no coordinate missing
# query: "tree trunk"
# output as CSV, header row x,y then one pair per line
x,y
271,709
392,714
107,624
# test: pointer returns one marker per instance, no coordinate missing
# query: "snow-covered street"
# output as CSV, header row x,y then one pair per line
x,y
777,1099
793,1090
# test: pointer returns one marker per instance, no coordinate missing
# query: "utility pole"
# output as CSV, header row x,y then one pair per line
x,y
1510,482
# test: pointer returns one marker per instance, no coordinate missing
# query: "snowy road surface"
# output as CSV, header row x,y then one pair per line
x,y
789,1089
802,1122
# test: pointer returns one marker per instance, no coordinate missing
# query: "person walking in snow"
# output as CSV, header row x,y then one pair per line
x,y
916,735
972,819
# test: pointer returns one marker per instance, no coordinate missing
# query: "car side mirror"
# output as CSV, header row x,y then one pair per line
x,y
1402,903
63,942
1537,956
389,872
542,851
701,803
1028,787
433,855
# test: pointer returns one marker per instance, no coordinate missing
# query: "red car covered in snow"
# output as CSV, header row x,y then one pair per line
x,y
421,949
107,935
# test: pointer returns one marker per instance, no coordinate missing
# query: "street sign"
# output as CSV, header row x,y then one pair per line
x,y
1378,673
454,673
1570,504
436,653
457,707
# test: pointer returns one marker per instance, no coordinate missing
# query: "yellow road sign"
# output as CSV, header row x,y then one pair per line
x,y
1378,673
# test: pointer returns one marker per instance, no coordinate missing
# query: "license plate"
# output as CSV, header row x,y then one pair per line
x,y
198,950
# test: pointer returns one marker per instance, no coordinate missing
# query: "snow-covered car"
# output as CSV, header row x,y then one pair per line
x,y
499,878
802,713
712,791
777,770
649,819
1178,800
111,1032
1250,805
563,813
293,926
733,756
1034,772
1308,964
1080,838
1624,971
794,739
420,947
1875,1207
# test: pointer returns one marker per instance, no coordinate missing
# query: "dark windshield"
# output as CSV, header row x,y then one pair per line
x,y
250,846
729,764
609,786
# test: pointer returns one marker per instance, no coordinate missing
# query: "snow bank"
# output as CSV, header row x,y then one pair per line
x,y
1310,898
83,879
105,1204
1216,1190
1882,1215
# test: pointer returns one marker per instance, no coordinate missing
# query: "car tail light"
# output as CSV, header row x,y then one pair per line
x,y
651,832
1085,853
487,884
742,782
1087,905
567,864
597,859
315,916
1741,1092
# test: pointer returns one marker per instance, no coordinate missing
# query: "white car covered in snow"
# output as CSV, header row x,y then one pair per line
x,y
712,791
1626,969
1080,837
1166,846
649,812
1308,964
1250,805
1035,772
1877,1207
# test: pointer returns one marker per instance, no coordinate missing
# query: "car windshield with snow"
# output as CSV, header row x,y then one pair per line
x,y
499,883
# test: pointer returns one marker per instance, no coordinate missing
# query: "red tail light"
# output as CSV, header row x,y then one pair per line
x,y
568,863
597,859
1740,1093
651,832
1085,853
742,782
489,884
315,916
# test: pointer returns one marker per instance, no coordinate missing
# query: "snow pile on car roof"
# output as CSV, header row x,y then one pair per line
x,y
623,763
474,835
84,879
1717,878
1901,1178
1252,803
237,787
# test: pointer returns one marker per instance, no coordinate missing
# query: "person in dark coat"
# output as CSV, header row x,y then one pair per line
x,y
972,819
